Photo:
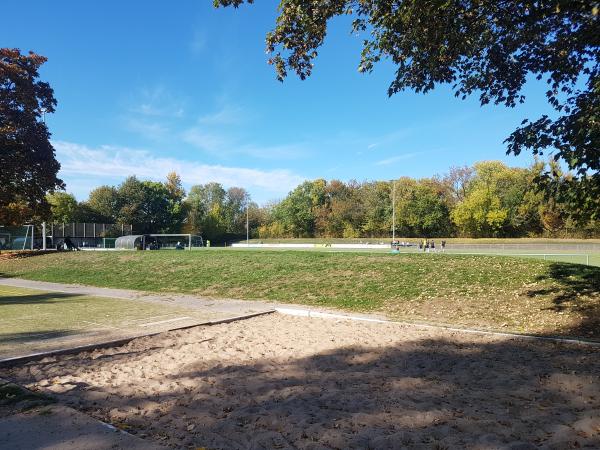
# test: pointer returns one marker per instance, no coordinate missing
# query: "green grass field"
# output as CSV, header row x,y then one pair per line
x,y
33,320
510,294
566,256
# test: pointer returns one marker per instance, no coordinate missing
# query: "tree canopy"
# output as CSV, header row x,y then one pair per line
x,y
485,47
28,167
63,207
489,199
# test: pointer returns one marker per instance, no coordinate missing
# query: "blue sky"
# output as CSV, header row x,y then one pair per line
x,y
146,87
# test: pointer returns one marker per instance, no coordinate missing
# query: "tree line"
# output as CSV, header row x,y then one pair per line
x,y
208,209
488,199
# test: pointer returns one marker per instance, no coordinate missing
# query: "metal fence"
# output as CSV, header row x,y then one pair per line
x,y
86,235
87,230
575,258
17,237
575,247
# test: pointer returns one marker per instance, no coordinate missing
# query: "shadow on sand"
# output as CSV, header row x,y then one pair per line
x,y
450,393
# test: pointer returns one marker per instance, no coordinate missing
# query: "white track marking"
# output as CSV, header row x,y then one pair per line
x,y
164,321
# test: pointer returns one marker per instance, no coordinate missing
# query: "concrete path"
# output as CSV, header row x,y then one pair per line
x,y
49,325
233,307
58,427
32,421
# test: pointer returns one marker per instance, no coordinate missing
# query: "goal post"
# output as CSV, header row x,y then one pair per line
x,y
159,241
172,241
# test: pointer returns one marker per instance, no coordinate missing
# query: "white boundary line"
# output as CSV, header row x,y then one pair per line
x,y
309,313
176,319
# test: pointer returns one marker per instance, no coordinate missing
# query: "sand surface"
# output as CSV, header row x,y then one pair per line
x,y
287,382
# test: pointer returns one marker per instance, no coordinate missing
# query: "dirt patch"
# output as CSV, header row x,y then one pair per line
x,y
21,254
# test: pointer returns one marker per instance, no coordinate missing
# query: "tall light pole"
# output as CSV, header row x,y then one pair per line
x,y
43,110
247,224
394,211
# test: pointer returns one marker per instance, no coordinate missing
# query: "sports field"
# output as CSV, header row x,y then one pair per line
x,y
286,382
490,292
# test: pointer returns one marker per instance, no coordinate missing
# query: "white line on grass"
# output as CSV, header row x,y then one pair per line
x,y
163,321
141,319
101,325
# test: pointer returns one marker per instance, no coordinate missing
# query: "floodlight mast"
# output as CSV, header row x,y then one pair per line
x,y
394,212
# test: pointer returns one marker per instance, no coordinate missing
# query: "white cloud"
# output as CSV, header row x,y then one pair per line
x,y
108,163
224,144
210,142
198,42
391,138
398,158
227,115
147,128
157,101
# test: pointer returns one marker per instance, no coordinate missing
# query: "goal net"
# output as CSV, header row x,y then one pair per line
x,y
175,241
159,242
18,238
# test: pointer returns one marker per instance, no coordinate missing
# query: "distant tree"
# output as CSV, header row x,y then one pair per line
x,y
378,209
205,206
458,179
488,47
104,204
176,195
174,186
86,214
236,200
256,217
296,214
342,213
268,227
421,209
63,207
426,212
18,212
28,167
145,205
492,201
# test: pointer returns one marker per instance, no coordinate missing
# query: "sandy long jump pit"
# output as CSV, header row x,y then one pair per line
x,y
287,382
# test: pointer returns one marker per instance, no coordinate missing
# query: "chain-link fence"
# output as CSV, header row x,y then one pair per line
x,y
82,235
86,235
538,247
17,237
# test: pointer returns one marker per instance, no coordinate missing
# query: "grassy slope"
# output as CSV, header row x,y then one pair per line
x,y
483,291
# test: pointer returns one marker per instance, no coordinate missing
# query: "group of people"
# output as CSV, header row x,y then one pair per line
x,y
429,245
